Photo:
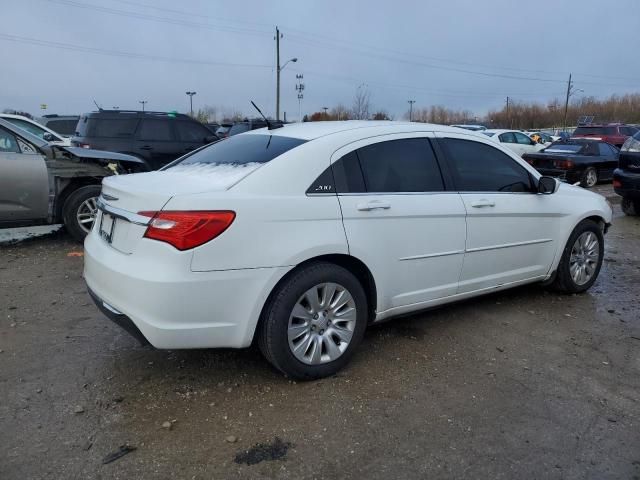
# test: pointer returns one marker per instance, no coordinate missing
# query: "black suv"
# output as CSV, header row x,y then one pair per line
x,y
65,125
245,126
626,178
157,138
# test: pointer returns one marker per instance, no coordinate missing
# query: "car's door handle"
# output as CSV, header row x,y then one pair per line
x,y
483,203
146,147
373,205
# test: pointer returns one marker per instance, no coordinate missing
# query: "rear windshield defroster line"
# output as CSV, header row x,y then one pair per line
x,y
243,149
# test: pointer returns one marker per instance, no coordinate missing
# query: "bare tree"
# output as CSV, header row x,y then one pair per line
x,y
340,112
361,103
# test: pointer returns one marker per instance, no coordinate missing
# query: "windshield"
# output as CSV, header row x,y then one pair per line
x,y
242,149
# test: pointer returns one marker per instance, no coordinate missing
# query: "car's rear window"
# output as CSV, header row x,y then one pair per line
x,y
242,149
596,131
63,127
106,127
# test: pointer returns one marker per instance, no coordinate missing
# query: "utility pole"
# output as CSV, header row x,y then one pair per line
x,y
508,115
143,102
299,89
411,102
278,34
191,94
566,104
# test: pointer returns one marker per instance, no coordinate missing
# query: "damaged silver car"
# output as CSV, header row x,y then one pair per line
x,y
42,183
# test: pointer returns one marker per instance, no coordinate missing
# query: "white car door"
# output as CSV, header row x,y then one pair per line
x,y
512,231
508,140
398,218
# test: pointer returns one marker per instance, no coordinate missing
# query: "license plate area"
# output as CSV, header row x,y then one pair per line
x,y
107,227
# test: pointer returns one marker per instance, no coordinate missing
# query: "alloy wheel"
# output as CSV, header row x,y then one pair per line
x,y
592,177
86,214
584,258
322,323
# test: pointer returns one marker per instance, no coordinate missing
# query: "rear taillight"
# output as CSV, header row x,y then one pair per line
x,y
617,184
563,164
187,229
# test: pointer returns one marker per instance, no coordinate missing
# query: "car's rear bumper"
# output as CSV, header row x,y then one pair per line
x,y
171,307
626,184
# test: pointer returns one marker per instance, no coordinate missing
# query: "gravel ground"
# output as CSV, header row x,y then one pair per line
x,y
520,384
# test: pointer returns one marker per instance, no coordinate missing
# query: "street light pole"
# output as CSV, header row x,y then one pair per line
x,y
411,102
278,70
191,94
143,102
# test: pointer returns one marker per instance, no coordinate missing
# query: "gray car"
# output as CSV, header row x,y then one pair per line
x,y
41,183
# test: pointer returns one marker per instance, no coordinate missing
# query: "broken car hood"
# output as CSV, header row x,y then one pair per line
x,y
100,154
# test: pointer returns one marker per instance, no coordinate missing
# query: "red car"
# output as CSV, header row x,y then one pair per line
x,y
614,133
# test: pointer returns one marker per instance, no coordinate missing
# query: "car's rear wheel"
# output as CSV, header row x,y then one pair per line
x,y
314,321
581,259
630,207
589,178
79,211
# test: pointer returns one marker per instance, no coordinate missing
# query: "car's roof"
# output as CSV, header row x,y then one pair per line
x,y
313,130
21,117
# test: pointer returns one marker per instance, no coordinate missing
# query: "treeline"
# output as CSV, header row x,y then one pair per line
x,y
616,108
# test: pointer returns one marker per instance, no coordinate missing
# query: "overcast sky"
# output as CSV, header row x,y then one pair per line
x,y
463,54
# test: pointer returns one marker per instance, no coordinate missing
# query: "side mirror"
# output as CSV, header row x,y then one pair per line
x,y
48,137
547,185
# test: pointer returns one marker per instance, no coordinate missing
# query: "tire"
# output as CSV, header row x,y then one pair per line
x,y
281,331
81,204
589,178
630,207
575,255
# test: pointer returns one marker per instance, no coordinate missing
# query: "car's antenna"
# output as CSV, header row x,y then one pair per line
x,y
96,104
270,125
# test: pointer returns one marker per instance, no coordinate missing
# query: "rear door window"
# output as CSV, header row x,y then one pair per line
x,y
394,166
242,149
155,130
110,128
478,167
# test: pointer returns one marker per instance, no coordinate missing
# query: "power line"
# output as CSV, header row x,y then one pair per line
x,y
330,39
314,42
116,53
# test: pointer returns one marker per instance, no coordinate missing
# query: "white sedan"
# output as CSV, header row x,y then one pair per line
x,y
299,237
36,129
514,140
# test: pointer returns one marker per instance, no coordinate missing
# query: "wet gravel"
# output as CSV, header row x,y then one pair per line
x,y
519,384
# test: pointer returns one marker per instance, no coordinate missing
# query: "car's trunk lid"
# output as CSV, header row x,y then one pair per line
x,y
123,197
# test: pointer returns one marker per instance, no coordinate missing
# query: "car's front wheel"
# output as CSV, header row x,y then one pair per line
x,y
630,207
79,211
314,321
581,259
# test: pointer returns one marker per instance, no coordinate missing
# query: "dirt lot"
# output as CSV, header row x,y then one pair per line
x,y
521,384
